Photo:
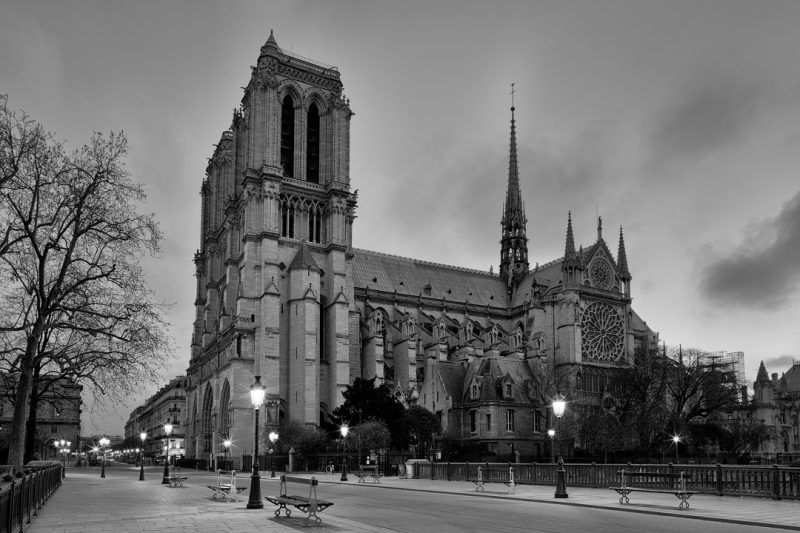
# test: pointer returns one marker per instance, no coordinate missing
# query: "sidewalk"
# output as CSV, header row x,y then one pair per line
x,y
122,504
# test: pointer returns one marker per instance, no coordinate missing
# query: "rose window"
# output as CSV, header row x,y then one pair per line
x,y
602,332
600,274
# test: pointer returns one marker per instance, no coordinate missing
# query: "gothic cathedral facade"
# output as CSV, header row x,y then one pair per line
x,y
283,295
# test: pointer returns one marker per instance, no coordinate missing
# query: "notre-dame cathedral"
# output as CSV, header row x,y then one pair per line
x,y
282,294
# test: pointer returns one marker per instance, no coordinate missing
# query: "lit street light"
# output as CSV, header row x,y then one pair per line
x,y
273,436
559,405
257,393
227,443
103,443
143,436
676,439
167,431
344,430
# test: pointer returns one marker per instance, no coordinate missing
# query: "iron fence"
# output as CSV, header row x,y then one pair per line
x,y
23,491
777,482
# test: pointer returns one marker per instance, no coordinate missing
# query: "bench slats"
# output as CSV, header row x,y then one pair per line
x,y
307,504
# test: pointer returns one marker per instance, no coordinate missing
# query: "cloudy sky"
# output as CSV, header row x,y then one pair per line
x,y
679,121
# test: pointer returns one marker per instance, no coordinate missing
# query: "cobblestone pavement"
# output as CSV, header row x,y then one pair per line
x,y
119,503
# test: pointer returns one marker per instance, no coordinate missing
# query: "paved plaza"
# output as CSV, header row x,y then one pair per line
x,y
121,503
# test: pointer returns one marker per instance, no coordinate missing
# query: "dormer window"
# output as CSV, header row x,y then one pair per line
x,y
474,391
507,391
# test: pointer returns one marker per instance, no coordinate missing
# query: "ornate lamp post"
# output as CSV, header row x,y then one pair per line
x,y
103,443
227,443
344,431
143,436
676,439
552,433
167,432
559,405
273,436
257,393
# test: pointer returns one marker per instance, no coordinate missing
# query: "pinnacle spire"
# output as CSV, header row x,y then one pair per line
x,y
514,243
570,256
622,259
762,375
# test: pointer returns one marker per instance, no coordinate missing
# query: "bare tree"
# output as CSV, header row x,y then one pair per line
x,y
696,388
76,303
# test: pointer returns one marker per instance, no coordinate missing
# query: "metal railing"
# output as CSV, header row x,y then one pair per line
x,y
23,491
777,482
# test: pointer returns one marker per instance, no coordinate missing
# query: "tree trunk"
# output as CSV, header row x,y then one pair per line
x,y
16,445
30,426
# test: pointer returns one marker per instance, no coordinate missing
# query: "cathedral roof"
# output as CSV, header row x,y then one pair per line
x,y
451,375
303,259
413,277
790,381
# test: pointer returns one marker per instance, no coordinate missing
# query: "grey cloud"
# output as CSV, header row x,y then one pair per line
x,y
759,274
702,120
780,363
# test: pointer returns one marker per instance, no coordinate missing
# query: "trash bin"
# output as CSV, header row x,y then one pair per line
x,y
412,470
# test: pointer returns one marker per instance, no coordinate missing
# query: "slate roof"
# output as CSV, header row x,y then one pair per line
x,y
452,376
389,273
790,381
492,370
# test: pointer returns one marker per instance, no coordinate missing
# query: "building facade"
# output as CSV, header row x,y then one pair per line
x,y
58,416
168,404
283,295
776,403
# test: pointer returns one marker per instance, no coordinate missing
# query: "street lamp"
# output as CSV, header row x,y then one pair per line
x,y
227,443
676,439
103,443
559,405
257,393
143,436
344,431
273,436
552,433
167,432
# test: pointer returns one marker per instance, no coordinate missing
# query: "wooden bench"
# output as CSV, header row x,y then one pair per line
x,y
677,482
366,471
175,478
503,475
226,491
310,504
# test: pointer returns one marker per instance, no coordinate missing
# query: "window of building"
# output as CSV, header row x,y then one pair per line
x,y
510,420
53,429
287,136
474,391
473,417
488,422
507,391
312,145
287,220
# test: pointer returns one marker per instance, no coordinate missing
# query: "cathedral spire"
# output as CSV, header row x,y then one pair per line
x,y
570,256
762,376
622,259
514,243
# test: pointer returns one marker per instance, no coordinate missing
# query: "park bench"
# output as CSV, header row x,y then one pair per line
x,y
501,474
226,491
366,471
310,504
175,478
676,481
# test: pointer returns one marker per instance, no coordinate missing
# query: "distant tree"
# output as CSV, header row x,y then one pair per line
x,y
416,429
74,302
304,439
364,401
696,387
370,435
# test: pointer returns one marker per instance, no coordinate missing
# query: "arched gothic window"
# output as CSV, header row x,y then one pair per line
x,y
287,136
207,429
225,421
312,144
